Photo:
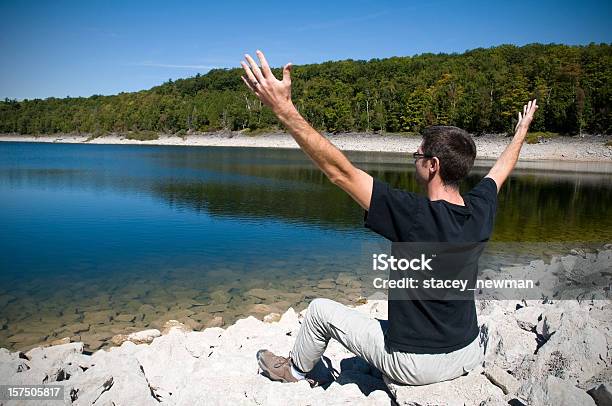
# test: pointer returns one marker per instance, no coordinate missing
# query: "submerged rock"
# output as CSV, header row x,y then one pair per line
x,y
216,321
125,317
60,341
171,325
139,337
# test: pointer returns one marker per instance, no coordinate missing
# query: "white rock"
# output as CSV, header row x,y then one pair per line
x,y
139,337
54,352
174,325
290,317
549,323
577,351
553,391
271,318
130,386
506,343
11,364
88,387
119,339
203,343
167,362
471,389
143,337
506,382
527,317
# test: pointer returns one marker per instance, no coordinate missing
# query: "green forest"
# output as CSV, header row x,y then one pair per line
x,y
480,90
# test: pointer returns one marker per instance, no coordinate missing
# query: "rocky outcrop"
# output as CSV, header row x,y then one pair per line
x,y
537,352
218,366
472,389
553,391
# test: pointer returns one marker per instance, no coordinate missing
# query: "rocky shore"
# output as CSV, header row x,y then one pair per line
x,y
576,148
538,352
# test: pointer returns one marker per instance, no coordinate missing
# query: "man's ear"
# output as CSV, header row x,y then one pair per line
x,y
435,165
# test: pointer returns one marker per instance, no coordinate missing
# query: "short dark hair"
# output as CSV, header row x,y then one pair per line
x,y
454,148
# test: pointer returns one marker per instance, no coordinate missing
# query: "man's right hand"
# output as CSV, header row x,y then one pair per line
x,y
277,95
272,92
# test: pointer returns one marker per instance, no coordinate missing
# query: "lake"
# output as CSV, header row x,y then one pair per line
x,y
98,240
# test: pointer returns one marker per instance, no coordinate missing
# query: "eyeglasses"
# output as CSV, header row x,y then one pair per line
x,y
418,155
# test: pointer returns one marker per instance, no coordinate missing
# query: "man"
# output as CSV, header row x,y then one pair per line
x,y
426,341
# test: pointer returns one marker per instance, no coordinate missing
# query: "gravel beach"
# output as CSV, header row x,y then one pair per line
x,y
576,148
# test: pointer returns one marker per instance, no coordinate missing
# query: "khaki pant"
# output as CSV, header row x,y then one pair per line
x,y
364,336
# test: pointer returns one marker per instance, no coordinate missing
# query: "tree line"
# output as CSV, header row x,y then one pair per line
x,y
480,90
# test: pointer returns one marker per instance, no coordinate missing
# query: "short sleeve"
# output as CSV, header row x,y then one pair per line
x,y
392,212
486,190
483,199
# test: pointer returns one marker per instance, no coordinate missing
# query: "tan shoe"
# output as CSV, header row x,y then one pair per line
x,y
274,367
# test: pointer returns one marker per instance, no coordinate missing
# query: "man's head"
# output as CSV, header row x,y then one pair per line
x,y
449,152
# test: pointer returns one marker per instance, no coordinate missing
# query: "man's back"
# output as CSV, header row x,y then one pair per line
x,y
436,325
402,216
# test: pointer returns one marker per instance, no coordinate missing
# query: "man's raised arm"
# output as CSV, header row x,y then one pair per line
x,y
277,95
507,160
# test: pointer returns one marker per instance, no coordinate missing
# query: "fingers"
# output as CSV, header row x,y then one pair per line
x,y
248,72
249,85
287,72
264,64
254,68
531,107
528,110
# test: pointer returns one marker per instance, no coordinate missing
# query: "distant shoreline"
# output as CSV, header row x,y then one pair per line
x,y
591,148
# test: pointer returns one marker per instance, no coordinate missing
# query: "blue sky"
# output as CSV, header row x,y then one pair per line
x,y
80,48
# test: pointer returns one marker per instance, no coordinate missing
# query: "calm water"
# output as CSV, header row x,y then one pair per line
x,y
88,227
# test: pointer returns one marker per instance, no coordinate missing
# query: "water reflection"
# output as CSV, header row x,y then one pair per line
x,y
539,202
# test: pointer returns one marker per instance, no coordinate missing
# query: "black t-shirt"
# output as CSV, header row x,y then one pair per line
x,y
432,326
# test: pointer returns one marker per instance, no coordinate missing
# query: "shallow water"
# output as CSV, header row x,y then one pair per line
x,y
154,232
